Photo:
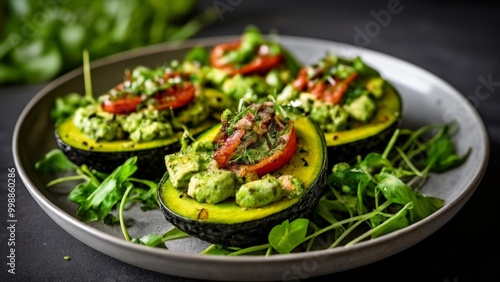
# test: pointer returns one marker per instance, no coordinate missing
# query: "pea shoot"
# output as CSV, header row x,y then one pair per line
x,y
376,195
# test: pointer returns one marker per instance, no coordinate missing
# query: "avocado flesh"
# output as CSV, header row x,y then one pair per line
x,y
71,135
105,156
389,109
227,223
345,146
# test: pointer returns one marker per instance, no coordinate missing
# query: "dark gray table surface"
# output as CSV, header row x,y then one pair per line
x,y
458,41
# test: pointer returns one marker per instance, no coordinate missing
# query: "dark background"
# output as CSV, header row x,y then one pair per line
x,y
458,41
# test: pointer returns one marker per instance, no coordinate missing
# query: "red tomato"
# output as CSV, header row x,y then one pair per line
x,y
218,52
277,160
300,83
319,90
322,91
262,63
223,154
175,97
335,94
122,105
266,165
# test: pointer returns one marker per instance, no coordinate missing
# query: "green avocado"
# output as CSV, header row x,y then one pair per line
x,y
259,193
105,156
367,137
227,223
212,186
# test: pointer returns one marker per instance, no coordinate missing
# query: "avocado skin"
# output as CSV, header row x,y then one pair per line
x,y
250,232
376,143
150,162
349,152
253,232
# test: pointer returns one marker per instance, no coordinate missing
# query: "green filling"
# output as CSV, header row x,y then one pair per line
x,y
251,41
213,186
249,87
69,134
183,165
260,192
142,126
388,112
367,100
193,170
149,81
252,87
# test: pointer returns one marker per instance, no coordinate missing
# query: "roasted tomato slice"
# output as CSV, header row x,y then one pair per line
x,y
330,91
223,154
300,83
259,125
260,64
176,97
122,105
277,160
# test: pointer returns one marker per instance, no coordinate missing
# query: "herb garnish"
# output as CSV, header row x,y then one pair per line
x,y
373,197
99,193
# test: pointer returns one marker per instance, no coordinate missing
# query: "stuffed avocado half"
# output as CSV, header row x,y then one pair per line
x,y
145,116
250,67
239,179
355,107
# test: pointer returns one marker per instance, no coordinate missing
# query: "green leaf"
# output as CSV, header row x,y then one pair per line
x,y
291,62
111,220
382,225
158,241
109,192
81,192
147,197
56,33
442,154
343,203
288,235
363,184
198,54
39,60
350,177
72,39
217,250
326,214
65,106
99,175
9,73
362,68
374,162
173,234
398,192
152,240
55,161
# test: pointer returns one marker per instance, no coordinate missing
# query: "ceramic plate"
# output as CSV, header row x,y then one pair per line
x,y
426,99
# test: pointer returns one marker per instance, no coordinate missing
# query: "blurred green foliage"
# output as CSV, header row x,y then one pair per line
x,y
41,39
